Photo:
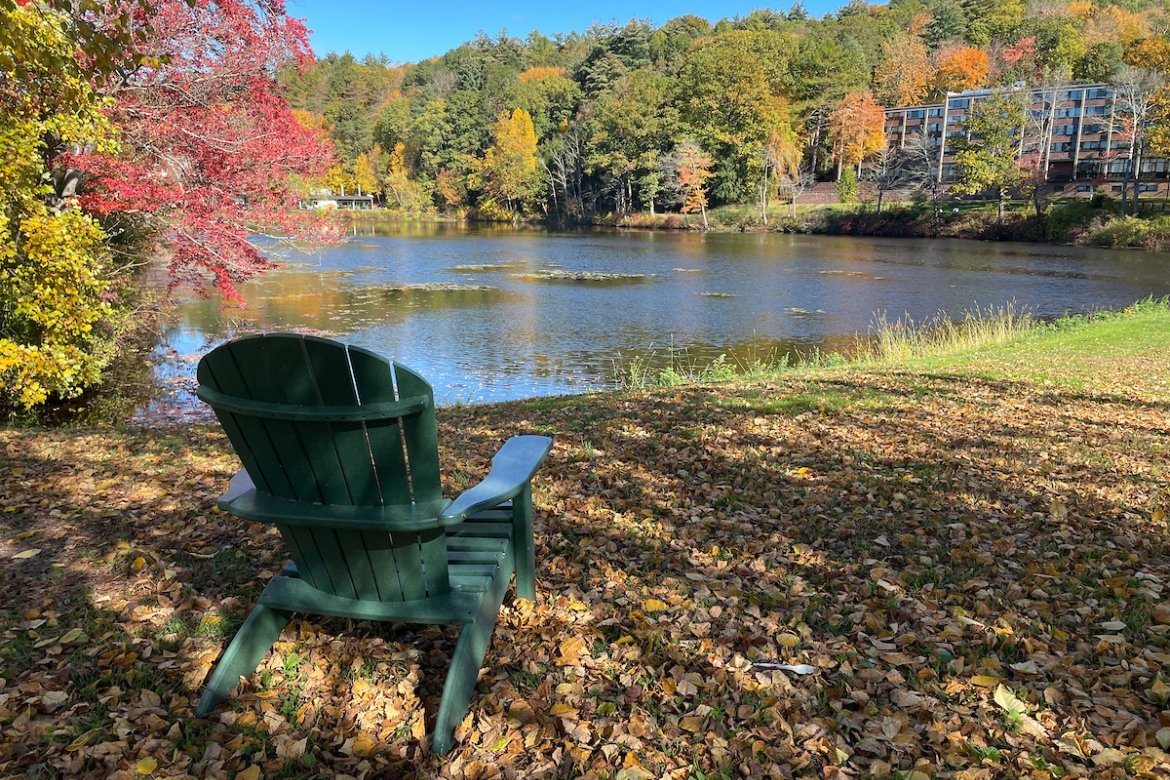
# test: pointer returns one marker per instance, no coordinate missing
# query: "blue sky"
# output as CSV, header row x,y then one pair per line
x,y
413,30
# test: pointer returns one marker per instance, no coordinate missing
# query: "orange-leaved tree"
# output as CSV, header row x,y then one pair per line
x,y
693,169
959,68
856,129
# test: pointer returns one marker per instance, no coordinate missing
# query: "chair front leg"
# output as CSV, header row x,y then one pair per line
x,y
253,641
523,544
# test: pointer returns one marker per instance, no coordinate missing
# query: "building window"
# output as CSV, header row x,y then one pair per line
x,y
959,103
1097,94
1089,145
934,112
1073,95
1095,111
917,113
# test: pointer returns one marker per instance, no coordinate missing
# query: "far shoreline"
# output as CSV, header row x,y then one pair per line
x,y
1065,222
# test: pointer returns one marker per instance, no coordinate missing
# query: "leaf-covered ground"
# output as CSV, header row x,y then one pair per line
x,y
972,552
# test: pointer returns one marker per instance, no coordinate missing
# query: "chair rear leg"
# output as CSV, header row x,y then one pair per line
x,y
253,641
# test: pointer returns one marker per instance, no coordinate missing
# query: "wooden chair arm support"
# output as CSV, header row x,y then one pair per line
x,y
512,470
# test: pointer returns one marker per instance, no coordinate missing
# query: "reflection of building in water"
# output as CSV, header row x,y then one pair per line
x,y
1076,133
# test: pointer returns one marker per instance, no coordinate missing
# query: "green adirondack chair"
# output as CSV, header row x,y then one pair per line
x,y
340,453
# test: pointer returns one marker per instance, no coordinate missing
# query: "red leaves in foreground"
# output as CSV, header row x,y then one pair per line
x,y
977,569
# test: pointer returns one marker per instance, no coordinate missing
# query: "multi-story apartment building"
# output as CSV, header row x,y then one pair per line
x,y
1075,134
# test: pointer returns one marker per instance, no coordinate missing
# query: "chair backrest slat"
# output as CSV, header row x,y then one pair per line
x,y
249,435
391,461
420,434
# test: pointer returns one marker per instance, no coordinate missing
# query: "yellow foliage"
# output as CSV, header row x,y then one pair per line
x,y
508,172
52,256
542,72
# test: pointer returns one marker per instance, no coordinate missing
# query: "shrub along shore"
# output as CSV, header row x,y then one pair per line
x,y
1068,221
966,537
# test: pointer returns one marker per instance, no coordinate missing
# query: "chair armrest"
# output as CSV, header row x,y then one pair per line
x,y
240,484
512,469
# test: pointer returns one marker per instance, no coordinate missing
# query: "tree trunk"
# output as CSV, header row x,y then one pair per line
x,y
1137,180
764,199
703,209
1002,197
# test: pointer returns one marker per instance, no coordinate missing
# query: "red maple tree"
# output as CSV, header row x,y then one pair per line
x,y
209,147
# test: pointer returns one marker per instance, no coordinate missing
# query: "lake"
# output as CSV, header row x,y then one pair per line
x,y
491,314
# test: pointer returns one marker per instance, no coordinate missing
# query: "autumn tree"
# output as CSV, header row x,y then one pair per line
x,y
404,194
207,143
730,94
903,78
54,298
365,177
781,165
856,130
509,169
692,167
960,68
988,157
1154,53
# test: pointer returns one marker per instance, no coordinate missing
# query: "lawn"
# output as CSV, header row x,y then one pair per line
x,y
971,549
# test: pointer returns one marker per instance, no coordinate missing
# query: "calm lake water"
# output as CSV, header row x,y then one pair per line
x,y
487,314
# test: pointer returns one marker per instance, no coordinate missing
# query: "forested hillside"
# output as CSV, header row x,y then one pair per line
x,y
626,118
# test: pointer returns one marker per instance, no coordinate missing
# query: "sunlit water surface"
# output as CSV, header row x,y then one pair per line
x,y
489,314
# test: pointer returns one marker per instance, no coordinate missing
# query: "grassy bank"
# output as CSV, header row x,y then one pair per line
x,y
1065,221
970,546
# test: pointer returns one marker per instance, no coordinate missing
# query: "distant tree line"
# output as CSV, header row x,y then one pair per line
x,y
625,118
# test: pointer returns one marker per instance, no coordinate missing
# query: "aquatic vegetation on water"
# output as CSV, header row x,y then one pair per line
x,y
549,275
472,268
437,287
